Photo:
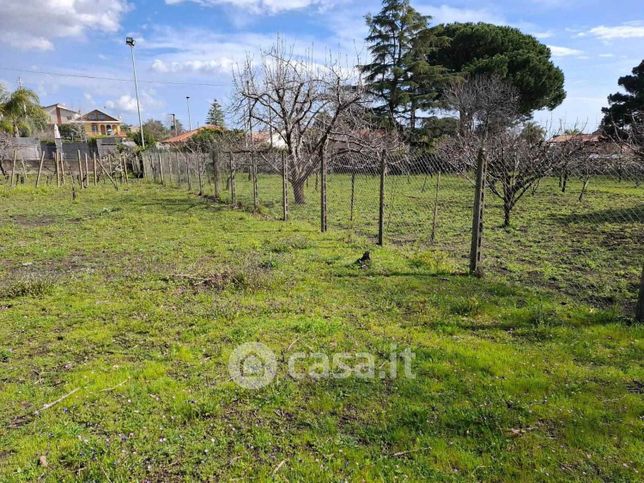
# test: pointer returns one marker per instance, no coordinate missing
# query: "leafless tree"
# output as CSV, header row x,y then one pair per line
x,y
299,100
491,125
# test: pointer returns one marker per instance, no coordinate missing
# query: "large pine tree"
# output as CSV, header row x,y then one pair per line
x,y
215,115
399,75
626,109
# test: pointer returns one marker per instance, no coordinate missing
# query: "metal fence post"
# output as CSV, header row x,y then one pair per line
x,y
477,218
381,211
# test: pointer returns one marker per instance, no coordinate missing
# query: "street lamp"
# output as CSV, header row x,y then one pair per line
x,y
130,42
189,118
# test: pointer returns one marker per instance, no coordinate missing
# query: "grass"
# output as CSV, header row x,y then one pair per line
x,y
137,298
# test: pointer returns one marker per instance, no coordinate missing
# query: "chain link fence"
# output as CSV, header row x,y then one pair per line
x,y
578,231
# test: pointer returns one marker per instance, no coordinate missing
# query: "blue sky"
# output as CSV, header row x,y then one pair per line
x,y
190,47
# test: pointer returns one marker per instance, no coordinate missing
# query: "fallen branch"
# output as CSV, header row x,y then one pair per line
x,y
51,404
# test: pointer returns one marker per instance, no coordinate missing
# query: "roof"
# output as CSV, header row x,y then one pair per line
x,y
99,115
583,138
186,136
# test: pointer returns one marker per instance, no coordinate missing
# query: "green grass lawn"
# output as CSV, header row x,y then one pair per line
x,y
135,300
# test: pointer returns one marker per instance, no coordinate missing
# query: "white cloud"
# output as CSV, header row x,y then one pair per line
x,y
625,31
124,103
543,35
222,65
262,6
34,24
447,14
558,51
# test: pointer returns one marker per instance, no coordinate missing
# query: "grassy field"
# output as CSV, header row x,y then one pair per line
x,y
131,302
591,249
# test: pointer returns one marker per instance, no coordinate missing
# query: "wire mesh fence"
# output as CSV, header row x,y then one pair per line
x,y
577,230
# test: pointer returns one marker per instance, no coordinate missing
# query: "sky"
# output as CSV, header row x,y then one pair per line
x,y
73,52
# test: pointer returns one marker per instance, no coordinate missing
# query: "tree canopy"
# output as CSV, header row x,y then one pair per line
x,y
626,108
520,59
399,74
215,115
21,113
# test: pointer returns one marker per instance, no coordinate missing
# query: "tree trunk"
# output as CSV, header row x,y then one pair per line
x,y
298,191
507,210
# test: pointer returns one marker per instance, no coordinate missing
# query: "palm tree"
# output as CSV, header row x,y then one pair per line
x,y
21,112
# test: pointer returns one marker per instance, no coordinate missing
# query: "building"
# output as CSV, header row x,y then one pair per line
x,y
95,123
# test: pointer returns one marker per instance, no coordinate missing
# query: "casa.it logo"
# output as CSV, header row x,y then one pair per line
x,y
252,365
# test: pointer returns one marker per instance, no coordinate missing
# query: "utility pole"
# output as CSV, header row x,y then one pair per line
x,y
189,117
130,42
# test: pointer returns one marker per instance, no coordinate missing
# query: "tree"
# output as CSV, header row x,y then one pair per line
x,y
153,131
625,109
21,112
399,74
516,153
72,132
520,59
299,101
215,115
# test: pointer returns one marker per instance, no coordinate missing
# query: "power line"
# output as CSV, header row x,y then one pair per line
x,y
116,79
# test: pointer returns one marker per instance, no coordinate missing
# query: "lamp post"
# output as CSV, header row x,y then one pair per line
x,y
130,42
189,118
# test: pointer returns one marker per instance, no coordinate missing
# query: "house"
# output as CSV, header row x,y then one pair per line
x,y
95,123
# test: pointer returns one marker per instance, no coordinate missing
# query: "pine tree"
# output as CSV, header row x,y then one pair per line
x,y
215,114
627,108
399,74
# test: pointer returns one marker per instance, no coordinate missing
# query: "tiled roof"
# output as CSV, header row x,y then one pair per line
x,y
186,136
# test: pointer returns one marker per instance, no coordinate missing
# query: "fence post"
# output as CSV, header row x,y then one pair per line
x,y
42,160
199,166
86,171
478,212
435,216
187,158
639,312
13,167
57,163
160,169
24,170
284,187
80,171
94,167
233,187
124,166
215,173
323,199
253,168
353,193
381,211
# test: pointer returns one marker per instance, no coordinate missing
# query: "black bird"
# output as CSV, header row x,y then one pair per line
x,y
365,261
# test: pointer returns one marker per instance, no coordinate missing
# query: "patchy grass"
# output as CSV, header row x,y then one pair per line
x,y
155,288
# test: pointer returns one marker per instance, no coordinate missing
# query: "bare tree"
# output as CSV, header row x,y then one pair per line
x,y
492,126
300,101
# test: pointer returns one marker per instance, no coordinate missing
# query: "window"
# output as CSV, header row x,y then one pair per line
x,y
94,128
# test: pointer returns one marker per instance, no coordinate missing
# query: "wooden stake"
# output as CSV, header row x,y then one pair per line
x,y
233,187
13,168
80,171
476,249
160,169
57,163
42,160
116,187
215,170
353,194
86,171
24,170
94,166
